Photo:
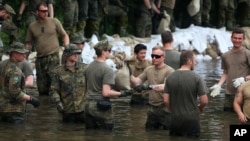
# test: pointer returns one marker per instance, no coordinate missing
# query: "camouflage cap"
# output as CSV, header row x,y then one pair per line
x,y
71,49
77,38
103,45
9,9
18,47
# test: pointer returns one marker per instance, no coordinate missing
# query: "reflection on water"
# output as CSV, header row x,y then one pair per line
x,y
44,123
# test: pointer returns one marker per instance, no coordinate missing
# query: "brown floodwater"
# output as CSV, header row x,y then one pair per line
x,y
44,123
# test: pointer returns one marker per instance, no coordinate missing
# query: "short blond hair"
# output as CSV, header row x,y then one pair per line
x,y
158,47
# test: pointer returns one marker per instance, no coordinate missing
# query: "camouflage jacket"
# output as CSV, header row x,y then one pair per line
x,y
12,83
69,87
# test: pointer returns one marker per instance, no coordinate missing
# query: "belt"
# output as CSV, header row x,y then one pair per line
x,y
56,53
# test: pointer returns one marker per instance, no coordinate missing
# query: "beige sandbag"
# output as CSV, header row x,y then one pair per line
x,y
193,7
122,79
246,42
164,23
211,52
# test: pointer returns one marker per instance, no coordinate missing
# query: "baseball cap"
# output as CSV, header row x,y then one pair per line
x,y
18,47
9,9
77,38
103,45
71,49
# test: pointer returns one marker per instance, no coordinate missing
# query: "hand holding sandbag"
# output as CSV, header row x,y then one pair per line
x,y
126,92
142,87
215,90
238,81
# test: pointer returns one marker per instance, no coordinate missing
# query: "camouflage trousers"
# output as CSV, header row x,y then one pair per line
x,y
228,102
206,7
70,16
226,13
74,117
96,118
143,25
44,65
157,117
12,117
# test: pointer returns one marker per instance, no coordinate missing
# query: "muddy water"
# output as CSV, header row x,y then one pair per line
x,y
44,123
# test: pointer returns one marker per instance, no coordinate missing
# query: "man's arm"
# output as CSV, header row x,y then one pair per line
x,y
223,78
22,7
166,100
66,39
203,102
238,101
51,10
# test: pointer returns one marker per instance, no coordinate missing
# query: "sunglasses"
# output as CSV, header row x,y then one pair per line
x,y
43,11
156,56
109,50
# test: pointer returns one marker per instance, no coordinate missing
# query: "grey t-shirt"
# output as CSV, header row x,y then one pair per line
x,y
97,74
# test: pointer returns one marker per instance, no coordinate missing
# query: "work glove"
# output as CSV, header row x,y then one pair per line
x,y
215,90
34,101
142,87
126,92
59,107
238,81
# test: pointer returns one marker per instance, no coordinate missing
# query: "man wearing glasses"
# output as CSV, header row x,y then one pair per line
x,y
100,77
30,8
43,33
158,115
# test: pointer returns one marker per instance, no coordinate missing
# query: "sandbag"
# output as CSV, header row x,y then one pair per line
x,y
164,23
122,79
193,7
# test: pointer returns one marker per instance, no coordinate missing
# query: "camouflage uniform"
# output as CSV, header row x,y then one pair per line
x,y
88,13
226,13
12,82
68,87
79,40
169,5
70,16
116,9
206,7
8,27
243,12
98,109
143,22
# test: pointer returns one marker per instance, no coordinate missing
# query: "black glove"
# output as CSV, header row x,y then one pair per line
x,y
59,107
142,87
34,101
126,92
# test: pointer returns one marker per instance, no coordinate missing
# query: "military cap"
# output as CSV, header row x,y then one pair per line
x,y
71,49
9,9
103,45
77,38
18,47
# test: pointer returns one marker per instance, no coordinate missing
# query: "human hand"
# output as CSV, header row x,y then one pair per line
x,y
238,81
242,118
34,101
126,92
142,87
215,90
